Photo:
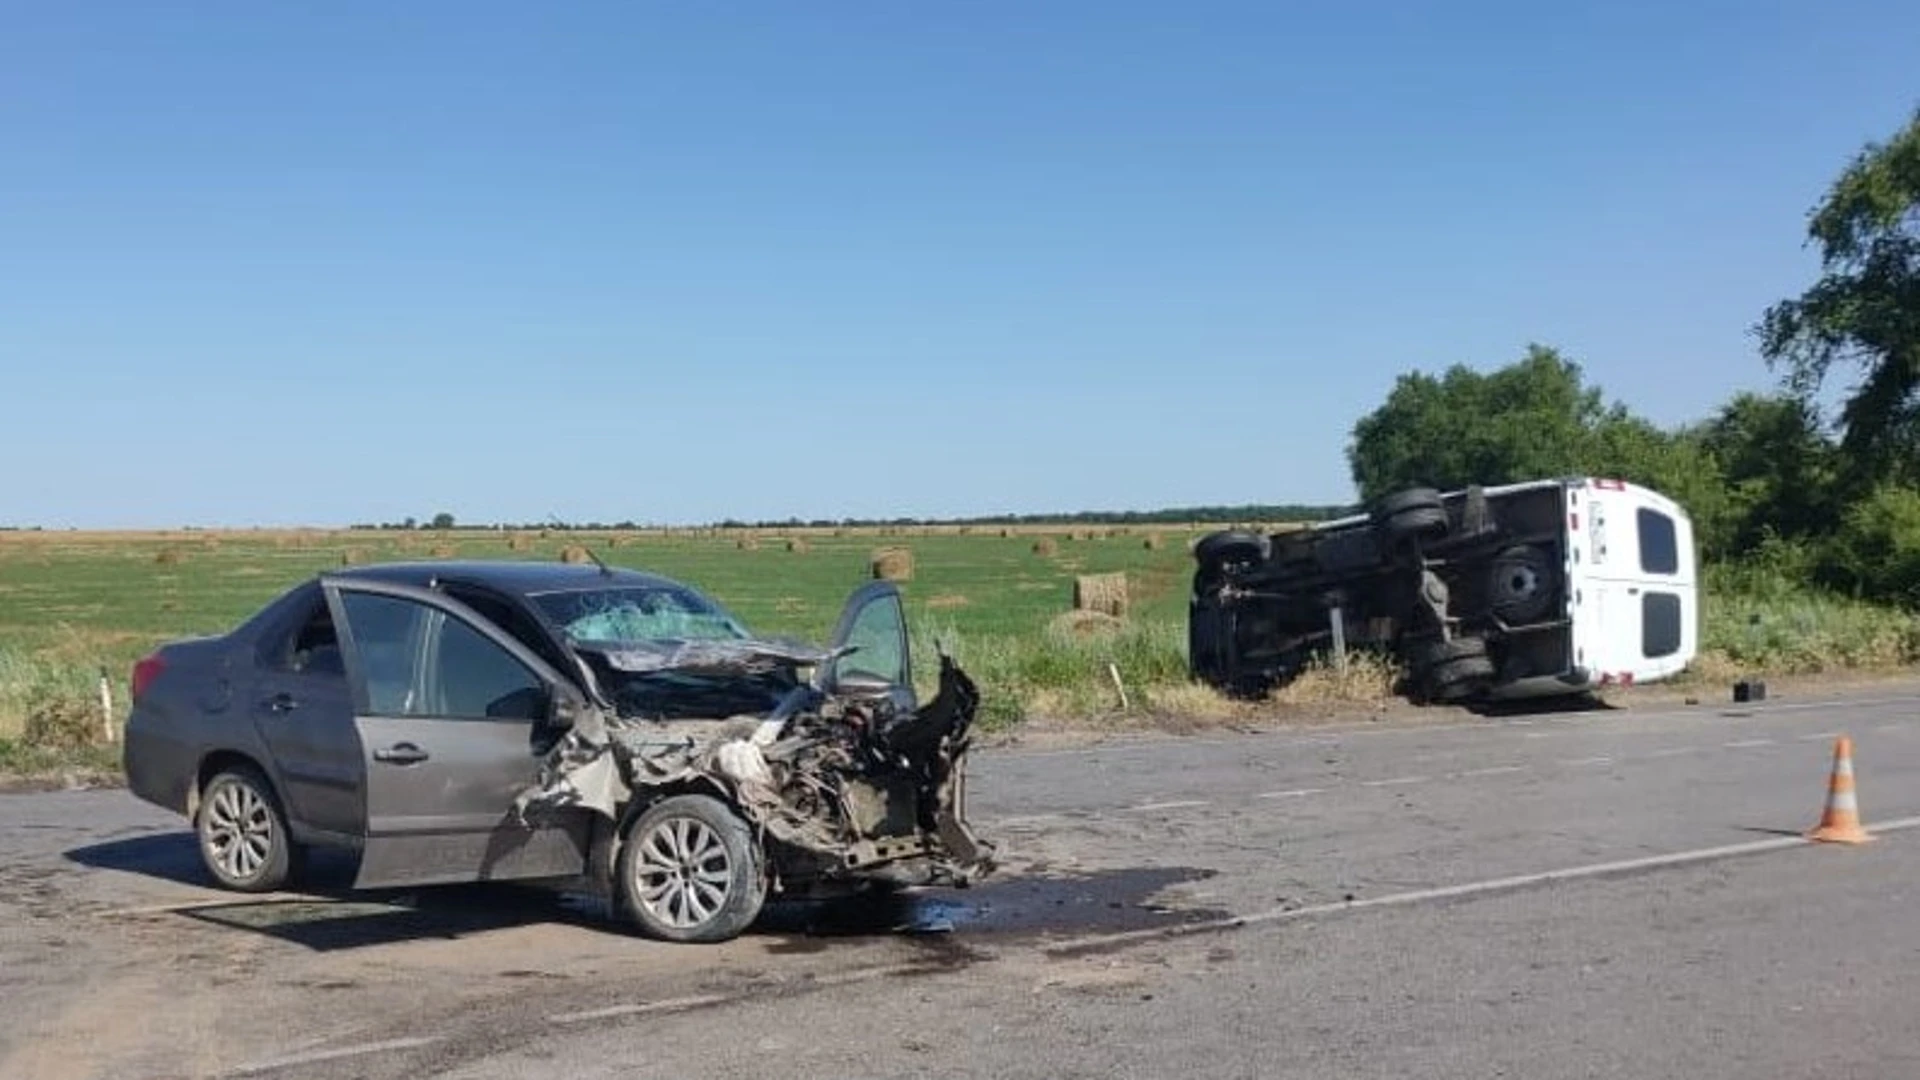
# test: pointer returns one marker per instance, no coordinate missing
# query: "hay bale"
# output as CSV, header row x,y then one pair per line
x,y
353,557
748,543
1006,533
1046,547
798,546
1105,593
893,564
1078,535
1152,542
574,553
169,557
445,551
517,542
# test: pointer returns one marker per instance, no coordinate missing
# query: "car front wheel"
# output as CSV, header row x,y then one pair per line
x,y
243,832
690,871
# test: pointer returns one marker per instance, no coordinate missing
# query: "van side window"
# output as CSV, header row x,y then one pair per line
x,y
1659,547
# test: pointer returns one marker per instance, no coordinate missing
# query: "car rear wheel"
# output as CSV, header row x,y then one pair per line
x,y
690,871
243,832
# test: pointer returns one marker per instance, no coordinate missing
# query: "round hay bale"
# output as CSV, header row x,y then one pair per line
x,y
445,551
168,557
1046,547
574,553
893,564
1083,624
798,545
1078,535
1152,542
748,543
517,542
1006,533
1105,593
353,557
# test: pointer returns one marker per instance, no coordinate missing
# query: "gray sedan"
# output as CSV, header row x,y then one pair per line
x,y
603,728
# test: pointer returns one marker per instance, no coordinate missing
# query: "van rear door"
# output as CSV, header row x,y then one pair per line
x,y
1639,617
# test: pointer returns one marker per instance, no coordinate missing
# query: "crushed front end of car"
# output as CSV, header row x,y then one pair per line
x,y
841,787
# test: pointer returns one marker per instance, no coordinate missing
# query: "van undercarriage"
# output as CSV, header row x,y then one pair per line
x,y
1466,590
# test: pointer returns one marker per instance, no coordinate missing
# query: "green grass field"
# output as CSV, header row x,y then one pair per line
x,y
71,603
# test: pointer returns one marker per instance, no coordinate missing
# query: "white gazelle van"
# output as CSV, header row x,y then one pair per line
x,y
1537,588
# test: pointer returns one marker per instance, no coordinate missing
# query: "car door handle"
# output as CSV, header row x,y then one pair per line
x,y
281,703
401,754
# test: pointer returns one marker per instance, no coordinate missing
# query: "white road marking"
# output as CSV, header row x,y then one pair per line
x,y
1496,770
1601,760
1396,781
639,1008
1818,736
1296,793
337,1054
1449,892
1748,744
1674,751
1177,804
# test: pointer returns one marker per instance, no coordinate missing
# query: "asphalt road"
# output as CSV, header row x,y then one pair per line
x,y
1615,894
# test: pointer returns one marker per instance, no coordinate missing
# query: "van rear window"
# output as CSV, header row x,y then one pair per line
x,y
1659,625
1659,547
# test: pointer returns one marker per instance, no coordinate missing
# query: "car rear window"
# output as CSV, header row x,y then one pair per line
x,y
1659,624
1659,544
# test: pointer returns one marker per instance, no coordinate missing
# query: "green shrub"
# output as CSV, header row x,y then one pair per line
x,y
61,722
1875,554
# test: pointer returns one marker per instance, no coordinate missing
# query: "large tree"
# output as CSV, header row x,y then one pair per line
x,y
1534,419
1530,419
1864,311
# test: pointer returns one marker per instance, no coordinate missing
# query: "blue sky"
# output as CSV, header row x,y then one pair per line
x,y
675,263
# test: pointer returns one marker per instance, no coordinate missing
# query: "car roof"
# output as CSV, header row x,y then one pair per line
x,y
518,576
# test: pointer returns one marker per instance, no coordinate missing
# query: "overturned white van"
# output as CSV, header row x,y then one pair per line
x,y
1531,589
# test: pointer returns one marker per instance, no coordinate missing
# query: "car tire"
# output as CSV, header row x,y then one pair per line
x,y
1410,513
1232,546
242,832
690,871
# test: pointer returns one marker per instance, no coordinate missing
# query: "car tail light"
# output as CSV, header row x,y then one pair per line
x,y
145,671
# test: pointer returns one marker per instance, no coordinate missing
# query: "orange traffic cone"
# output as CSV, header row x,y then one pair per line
x,y
1840,824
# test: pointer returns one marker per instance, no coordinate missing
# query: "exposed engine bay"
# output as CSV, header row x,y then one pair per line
x,y
841,786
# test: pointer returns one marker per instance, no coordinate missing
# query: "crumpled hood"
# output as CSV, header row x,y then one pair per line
x,y
743,656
